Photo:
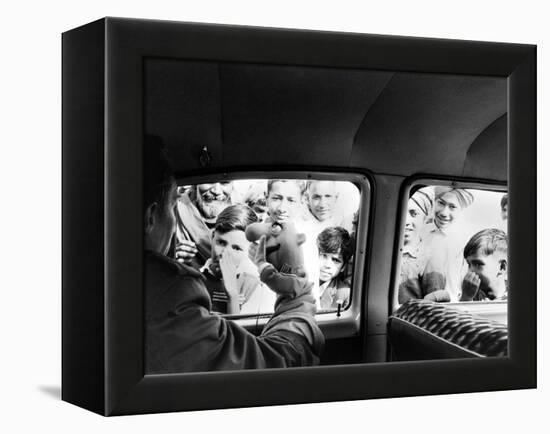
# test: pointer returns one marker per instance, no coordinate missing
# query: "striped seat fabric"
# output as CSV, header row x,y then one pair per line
x,y
475,335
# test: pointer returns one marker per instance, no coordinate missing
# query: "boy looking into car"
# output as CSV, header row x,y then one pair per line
x,y
444,242
232,279
335,250
487,256
284,199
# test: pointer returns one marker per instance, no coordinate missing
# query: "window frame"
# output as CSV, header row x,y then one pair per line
x,y
491,309
348,323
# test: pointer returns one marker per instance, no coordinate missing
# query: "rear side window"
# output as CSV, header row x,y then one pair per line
x,y
213,214
454,245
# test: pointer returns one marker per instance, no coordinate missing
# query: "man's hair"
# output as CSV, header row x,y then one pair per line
x,y
158,176
336,240
301,184
235,218
503,202
310,182
487,242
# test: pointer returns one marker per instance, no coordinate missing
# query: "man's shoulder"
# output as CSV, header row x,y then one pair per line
x,y
169,284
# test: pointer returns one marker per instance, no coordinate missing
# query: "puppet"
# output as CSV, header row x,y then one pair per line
x,y
279,257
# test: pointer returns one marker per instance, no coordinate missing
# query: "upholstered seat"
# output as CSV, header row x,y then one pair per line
x,y
426,330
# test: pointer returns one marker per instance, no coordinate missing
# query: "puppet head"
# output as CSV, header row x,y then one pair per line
x,y
282,247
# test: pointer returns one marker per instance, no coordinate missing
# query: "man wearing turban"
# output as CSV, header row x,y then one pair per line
x,y
415,280
443,243
449,203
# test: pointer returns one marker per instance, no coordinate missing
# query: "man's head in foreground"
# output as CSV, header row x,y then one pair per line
x,y
160,196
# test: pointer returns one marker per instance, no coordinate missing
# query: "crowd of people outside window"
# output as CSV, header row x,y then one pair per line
x,y
212,219
442,258
200,263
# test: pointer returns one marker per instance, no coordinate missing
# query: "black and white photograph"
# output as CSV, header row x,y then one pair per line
x,y
289,216
327,207
273,268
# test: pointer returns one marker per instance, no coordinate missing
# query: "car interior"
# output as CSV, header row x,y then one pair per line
x,y
387,134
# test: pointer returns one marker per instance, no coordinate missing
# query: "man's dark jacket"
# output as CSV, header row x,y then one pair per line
x,y
182,335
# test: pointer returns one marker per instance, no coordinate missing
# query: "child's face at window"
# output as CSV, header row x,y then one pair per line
x,y
284,201
330,265
235,240
491,270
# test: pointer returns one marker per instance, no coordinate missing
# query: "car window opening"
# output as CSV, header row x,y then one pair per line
x,y
218,228
454,246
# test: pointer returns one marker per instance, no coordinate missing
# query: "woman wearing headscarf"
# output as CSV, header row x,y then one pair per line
x,y
444,241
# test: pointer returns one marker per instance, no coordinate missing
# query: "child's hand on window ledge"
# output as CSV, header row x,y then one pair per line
x,y
470,286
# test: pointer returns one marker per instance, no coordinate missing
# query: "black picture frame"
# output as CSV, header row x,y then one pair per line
x,y
102,165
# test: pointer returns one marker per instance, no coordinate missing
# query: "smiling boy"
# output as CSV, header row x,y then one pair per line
x,y
446,210
284,199
444,242
487,256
